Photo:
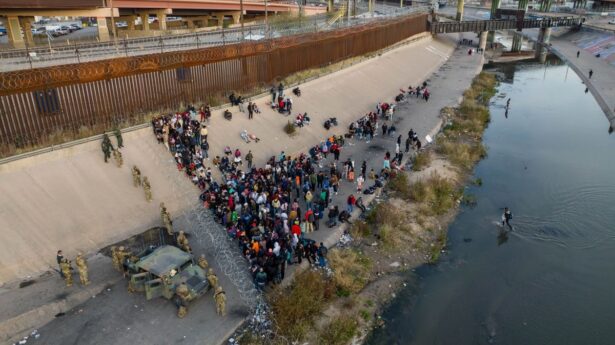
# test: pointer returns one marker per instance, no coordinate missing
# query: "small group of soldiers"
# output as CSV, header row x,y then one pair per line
x,y
183,294
118,258
66,269
137,182
107,147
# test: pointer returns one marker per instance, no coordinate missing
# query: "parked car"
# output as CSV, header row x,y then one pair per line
x,y
59,32
39,31
2,31
612,22
76,26
67,28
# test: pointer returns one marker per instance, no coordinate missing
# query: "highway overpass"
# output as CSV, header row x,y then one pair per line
x,y
19,14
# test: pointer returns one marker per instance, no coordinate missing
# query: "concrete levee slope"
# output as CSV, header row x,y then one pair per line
x,y
71,200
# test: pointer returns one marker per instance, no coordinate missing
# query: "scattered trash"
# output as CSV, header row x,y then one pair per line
x,y
108,289
36,336
395,264
405,284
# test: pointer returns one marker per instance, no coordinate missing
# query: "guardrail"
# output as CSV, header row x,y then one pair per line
x,y
501,24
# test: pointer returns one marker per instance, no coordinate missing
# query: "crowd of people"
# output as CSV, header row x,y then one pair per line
x,y
272,210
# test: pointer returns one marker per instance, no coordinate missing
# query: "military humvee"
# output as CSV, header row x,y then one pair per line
x,y
159,271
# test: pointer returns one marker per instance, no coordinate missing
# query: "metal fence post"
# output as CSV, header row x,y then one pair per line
x,y
197,39
125,46
161,45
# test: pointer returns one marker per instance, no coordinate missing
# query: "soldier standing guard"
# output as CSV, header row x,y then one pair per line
x,y
118,136
220,298
106,147
122,254
59,258
82,267
182,300
166,218
115,259
136,176
66,271
212,279
182,242
117,155
147,188
203,262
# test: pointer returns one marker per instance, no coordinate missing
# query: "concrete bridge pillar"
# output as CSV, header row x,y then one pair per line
x,y
161,16
544,36
103,29
482,41
460,4
190,23
220,18
236,18
13,31
495,5
26,25
144,20
130,21
517,43
545,5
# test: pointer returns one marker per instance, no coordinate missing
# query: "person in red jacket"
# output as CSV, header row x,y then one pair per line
x,y
296,229
350,203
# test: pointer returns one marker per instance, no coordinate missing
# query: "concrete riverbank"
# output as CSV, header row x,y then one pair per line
x,y
601,84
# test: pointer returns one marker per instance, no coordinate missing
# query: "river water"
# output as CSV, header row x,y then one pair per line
x,y
552,279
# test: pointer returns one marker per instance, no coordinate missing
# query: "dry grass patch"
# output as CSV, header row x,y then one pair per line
x,y
400,186
339,331
295,308
422,160
437,194
351,269
461,154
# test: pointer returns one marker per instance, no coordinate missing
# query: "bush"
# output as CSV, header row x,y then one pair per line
x,y
400,185
295,308
360,229
422,160
438,193
351,269
462,154
290,128
339,332
385,213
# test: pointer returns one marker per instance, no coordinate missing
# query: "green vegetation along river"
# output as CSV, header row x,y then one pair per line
x,y
551,280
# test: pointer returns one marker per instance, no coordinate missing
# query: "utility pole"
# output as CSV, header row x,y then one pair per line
x,y
113,21
266,23
241,17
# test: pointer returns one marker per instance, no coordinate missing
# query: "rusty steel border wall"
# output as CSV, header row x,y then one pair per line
x,y
35,103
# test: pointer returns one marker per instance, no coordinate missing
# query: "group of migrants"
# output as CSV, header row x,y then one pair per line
x,y
271,210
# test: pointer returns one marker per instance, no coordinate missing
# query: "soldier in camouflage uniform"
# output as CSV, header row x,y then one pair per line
x,y
220,298
119,160
182,242
147,188
122,255
118,136
136,176
182,300
67,272
106,147
166,218
212,279
115,259
82,267
203,262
